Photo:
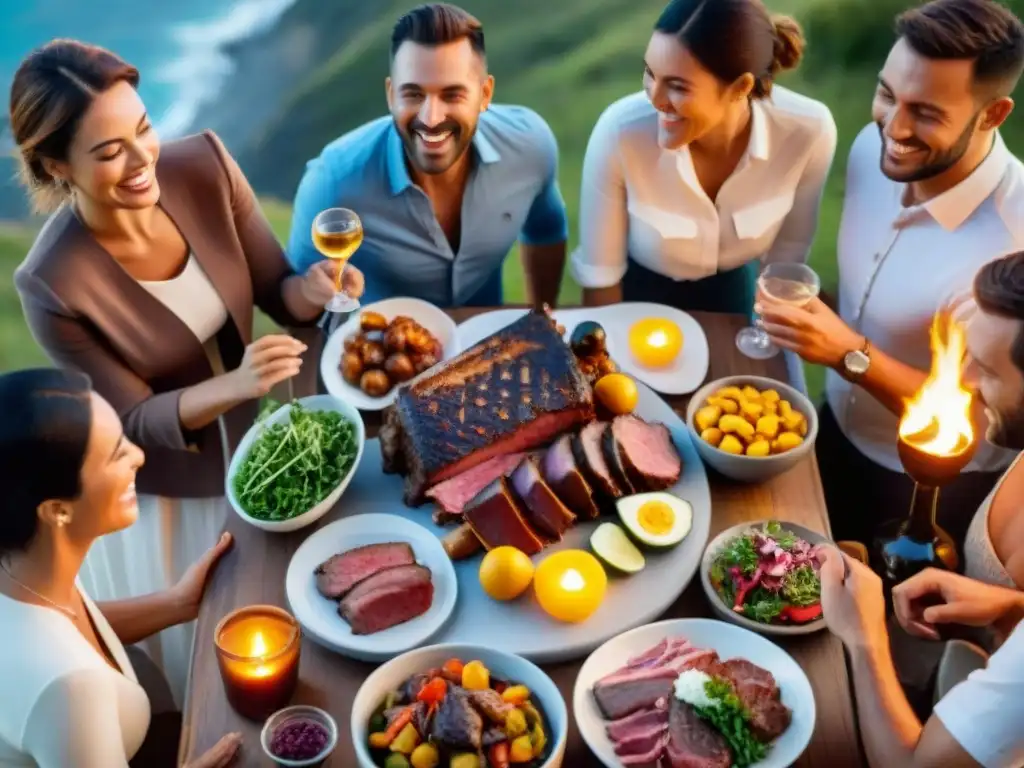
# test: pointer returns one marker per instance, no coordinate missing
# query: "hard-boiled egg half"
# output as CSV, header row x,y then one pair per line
x,y
656,519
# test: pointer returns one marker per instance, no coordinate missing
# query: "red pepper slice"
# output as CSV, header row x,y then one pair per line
x,y
498,756
801,614
433,691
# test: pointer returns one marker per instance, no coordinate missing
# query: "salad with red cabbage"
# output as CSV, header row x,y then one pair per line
x,y
769,575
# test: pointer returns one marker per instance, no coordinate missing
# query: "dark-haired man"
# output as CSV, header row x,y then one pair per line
x,y
447,183
932,194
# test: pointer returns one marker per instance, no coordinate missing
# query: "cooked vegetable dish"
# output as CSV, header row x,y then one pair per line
x,y
749,422
383,354
769,575
459,716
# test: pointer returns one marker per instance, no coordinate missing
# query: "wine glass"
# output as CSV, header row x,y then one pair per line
x,y
793,284
337,234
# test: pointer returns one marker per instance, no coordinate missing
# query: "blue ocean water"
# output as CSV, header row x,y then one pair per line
x,y
177,45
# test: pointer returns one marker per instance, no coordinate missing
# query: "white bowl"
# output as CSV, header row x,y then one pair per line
x,y
313,403
504,665
730,642
433,318
724,611
299,712
753,469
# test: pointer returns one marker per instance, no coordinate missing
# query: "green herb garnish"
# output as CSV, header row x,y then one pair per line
x,y
763,605
293,466
731,719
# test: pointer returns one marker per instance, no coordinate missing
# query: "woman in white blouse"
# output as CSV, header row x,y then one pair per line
x,y
71,698
710,171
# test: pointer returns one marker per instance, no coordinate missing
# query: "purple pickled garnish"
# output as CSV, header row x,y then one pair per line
x,y
299,740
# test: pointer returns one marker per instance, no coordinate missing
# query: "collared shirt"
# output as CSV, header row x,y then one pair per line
x,y
900,265
512,192
645,202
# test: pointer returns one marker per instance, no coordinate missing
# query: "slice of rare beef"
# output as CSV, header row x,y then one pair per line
x,y
648,454
543,508
616,466
454,494
387,598
642,719
497,519
586,450
624,692
338,574
515,390
692,742
561,473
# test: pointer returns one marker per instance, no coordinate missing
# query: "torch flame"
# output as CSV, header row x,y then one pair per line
x,y
937,420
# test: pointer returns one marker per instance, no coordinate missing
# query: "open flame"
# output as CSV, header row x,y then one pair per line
x,y
937,420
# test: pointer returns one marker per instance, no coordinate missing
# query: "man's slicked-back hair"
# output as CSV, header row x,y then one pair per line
x,y
438,24
983,31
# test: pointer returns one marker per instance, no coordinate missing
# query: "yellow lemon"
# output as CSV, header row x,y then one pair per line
x,y
505,573
617,392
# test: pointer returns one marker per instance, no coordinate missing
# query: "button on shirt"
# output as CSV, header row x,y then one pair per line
x,y
512,192
645,202
899,265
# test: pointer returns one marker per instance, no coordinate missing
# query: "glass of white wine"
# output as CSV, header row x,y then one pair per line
x,y
337,234
793,284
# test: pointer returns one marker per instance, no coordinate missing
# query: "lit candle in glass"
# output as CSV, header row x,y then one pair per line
x,y
570,585
258,655
655,342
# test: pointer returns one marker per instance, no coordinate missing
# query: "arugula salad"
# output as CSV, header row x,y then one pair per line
x,y
769,575
294,465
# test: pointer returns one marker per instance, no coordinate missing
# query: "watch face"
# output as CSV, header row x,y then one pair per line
x,y
857,362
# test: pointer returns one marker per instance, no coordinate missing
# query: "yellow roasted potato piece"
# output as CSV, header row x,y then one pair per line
x,y
712,435
787,441
785,408
750,393
771,408
726,404
751,410
803,428
733,393
731,444
707,417
759,447
768,426
792,421
770,396
737,425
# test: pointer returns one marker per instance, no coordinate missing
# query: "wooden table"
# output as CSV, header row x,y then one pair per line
x,y
254,573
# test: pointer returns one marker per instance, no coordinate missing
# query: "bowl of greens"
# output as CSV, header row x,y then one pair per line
x,y
764,576
295,462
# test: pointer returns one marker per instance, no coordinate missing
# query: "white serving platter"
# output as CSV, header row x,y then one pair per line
x,y
434,319
319,617
520,626
730,641
682,377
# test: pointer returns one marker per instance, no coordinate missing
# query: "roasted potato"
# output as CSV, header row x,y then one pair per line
x,y
399,367
423,360
746,421
354,343
373,354
418,339
352,367
395,339
373,321
375,383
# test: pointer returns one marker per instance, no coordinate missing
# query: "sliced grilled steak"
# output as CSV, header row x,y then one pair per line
x,y
387,598
613,458
692,743
757,689
457,726
497,519
490,704
454,494
643,737
586,450
642,719
648,454
744,673
622,693
337,575
515,390
543,508
561,473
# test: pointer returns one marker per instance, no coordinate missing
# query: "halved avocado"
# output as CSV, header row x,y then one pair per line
x,y
657,520
613,547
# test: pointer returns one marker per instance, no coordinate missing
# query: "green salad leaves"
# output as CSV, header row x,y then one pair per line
x,y
731,719
294,465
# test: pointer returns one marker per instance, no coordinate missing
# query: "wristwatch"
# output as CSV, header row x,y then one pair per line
x,y
857,361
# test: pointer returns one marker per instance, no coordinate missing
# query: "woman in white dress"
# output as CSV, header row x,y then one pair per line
x,y
146,277
71,697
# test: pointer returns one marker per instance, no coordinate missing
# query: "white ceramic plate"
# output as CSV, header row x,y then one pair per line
x,y
315,403
319,616
430,317
682,377
729,641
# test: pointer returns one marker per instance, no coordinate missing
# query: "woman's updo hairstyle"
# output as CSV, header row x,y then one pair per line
x,y
44,436
733,37
52,89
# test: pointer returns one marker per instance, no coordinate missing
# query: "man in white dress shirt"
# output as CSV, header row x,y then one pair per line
x,y
932,194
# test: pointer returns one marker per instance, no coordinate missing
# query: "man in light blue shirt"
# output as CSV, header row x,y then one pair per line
x,y
447,183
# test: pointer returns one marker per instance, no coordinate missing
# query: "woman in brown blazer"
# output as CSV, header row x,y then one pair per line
x,y
145,278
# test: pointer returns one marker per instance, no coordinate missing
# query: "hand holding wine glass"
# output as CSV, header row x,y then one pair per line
x,y
813,331
337,234
794,285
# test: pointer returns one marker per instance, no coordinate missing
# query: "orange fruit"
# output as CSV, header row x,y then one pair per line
x,y
505,573
617,392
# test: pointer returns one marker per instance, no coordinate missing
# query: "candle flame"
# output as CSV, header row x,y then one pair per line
x,y
259,645
572,581
937,420
657,339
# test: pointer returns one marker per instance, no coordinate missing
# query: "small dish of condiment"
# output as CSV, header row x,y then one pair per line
x,y
299,737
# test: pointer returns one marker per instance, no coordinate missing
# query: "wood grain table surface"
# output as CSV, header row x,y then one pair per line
x,y
254,573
